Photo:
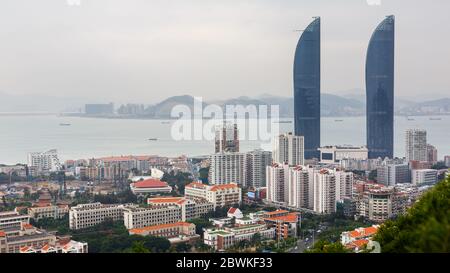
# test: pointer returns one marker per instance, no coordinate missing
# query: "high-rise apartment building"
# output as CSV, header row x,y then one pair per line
x,y
324,192
307,88
257,161
289,149
390,174
308,187
416,145
277,183
432,154
228,167
380,90
299,184
227,138
44,161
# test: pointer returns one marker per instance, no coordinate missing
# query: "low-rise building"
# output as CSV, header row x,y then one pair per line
x,y
219,195
29,239
89,215
224,238
135,217
12,218
190,208
171,230
427,176
334,154
284,222
359,238
52,211
150,186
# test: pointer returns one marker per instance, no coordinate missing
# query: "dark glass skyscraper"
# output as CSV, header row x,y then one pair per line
x,y
380,90
307,89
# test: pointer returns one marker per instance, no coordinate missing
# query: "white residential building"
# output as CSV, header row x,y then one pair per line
x,y
223,238
299,187
324,192
277,183
416,145
334,154
219,195
52,211
390,174
190,208
290,149
427,176
12,219
89,215
44,162
135,217
257,161
227,168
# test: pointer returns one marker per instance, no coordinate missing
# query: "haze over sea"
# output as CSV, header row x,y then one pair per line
x,y
92,137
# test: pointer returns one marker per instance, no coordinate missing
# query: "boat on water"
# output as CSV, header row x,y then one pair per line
x,y
65,124
338,120
435,118
153,139
165,122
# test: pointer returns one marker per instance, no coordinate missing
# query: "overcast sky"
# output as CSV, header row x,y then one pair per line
x,y
147,50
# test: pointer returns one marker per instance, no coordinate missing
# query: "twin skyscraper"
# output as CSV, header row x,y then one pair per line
x,y
379,89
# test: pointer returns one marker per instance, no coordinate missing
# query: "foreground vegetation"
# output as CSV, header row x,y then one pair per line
x,y
424,229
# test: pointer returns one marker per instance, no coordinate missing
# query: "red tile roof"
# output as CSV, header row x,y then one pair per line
x,y
289,218
363,232
164,200
162,226
150,183
223,187
196,185
2,234
232,210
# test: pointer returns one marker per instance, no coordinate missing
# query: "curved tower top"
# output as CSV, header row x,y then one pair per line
x,y
380,90
307,88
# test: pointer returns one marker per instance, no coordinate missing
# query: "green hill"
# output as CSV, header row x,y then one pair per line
x,y
424,229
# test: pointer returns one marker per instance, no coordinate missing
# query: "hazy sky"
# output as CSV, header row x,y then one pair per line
x,y
146,50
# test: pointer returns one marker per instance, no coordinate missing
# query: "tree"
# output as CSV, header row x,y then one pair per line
x,y
183,247
256,238
323,246
138,247
424,228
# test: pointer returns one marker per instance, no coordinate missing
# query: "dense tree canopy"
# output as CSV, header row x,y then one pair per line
x,y
425,228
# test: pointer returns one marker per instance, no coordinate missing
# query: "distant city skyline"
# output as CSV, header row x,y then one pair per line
x,y
149,50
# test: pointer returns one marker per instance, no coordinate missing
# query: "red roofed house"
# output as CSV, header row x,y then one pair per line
x,y
235,212
152,186
359,237
284,222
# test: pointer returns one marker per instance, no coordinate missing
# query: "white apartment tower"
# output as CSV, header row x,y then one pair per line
x,y
289,148
227,168
257,161
299,187
324,192
277,183
44,162
416,145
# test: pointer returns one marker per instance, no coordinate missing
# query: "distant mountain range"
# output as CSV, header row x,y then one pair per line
x,y
351,104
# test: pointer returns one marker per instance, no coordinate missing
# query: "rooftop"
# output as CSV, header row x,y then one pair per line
x,y
157,227
150,183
